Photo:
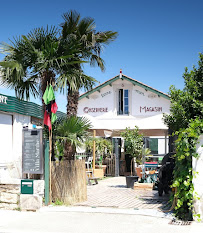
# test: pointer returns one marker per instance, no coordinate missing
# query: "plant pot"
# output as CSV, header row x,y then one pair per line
x,y
104,168
130,181
101,167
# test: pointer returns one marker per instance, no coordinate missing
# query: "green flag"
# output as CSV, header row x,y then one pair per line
x,y
51,95
45,96
53,117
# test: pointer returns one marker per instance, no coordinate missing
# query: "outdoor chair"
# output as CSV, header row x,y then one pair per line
x,y
88,163
151,171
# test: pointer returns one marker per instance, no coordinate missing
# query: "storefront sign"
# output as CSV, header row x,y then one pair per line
x,y
150,109
87,110
3,99
104,94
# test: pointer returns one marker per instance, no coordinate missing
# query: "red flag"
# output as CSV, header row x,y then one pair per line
x,y
47,120
54,107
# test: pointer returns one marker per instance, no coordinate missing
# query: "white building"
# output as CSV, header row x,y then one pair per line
x,y
14,115
124,102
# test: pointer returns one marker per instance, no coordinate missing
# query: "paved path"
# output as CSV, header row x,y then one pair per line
x,y
112,192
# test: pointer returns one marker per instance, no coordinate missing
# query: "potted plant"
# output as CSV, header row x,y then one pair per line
x,y
133,145
103,150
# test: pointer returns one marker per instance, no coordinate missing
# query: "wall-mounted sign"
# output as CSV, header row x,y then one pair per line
x,y
3,99
32,160
139,92
87,110
106,93
150,109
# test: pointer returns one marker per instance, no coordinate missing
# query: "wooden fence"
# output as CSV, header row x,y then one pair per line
x,y
69,181
110,168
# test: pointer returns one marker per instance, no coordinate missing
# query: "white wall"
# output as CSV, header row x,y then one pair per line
x,y
5,138
198,181
11,145
146,108
18,122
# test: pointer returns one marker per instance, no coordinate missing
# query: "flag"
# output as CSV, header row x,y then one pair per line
x,y
48,95
54,107
47,120
51,95
53,117
45,96
51,107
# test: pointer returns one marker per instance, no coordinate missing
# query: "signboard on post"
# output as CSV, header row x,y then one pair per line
x,y
32,160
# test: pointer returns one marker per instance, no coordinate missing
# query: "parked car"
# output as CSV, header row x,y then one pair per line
x,y
165,175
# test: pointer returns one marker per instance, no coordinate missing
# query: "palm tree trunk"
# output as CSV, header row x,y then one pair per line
x,y
69,151
72,105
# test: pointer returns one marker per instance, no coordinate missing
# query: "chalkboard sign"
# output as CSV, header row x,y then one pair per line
x,y
32,160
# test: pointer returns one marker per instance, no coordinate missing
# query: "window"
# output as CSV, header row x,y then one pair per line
x,y
152,144
123,102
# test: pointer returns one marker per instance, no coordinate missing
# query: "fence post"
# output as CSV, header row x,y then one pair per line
x,y
46,171
117,159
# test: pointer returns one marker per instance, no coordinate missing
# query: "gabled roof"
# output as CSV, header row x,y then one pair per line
x,y
124,77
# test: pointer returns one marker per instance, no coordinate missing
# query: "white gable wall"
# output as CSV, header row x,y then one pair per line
x,y
145,108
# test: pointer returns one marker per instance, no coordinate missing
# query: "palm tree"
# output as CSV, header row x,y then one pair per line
x,y
72,81
72,131
83,33
34,60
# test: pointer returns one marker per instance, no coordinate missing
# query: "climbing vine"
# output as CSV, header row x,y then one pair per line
x,y
183,172
185,118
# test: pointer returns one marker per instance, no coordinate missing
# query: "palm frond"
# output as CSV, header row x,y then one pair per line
x,y
73,130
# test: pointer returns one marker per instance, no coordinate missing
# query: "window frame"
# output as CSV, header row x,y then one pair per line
x,y
122,105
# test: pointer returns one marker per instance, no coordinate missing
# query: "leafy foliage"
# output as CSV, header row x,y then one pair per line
x,y
186,119
183,173
72,130
103,148
82,32
133,142
30,56
187,104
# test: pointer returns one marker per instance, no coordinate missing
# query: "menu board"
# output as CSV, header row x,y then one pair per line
x,y
32,160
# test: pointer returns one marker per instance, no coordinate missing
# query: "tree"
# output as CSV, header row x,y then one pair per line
x,y
34,60
72,82
133,143
72,131
82,32
186,120
187,104
103,147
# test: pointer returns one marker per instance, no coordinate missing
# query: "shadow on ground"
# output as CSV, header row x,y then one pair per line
x,y
163,203
118,186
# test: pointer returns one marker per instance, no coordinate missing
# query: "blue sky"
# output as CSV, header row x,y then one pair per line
x,y
157,38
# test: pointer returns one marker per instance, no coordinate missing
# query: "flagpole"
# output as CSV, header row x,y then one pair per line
x,y
49,118
50,153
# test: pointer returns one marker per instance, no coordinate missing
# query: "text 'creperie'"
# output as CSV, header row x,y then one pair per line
x,y
87,110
